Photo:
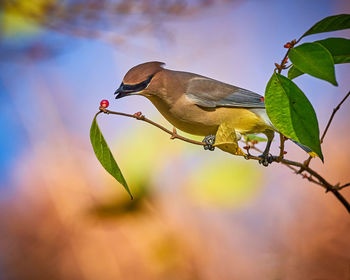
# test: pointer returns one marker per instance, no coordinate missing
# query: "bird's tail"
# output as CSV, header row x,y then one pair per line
x,y
263,115
306,149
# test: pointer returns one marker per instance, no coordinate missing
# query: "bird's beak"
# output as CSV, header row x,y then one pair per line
x,y
119,93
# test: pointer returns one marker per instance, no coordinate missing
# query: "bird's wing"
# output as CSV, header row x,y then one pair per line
x,y
210,93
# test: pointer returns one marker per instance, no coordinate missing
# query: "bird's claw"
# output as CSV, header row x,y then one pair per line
x,y
266,159
209,142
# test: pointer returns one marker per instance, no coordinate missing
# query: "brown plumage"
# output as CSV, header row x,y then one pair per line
x,y
197,104
141,72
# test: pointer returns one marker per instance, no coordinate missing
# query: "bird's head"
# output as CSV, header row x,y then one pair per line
x,y
138,78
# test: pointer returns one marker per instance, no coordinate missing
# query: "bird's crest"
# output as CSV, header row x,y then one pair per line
x,y
142,72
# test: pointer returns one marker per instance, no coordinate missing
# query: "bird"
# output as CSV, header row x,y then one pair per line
x,y
198,105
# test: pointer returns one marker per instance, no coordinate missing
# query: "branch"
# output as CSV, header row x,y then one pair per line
x,y
282,140
296,171
284,61
343,186
305,166
321,181
141,117
332,116
173,133
307,162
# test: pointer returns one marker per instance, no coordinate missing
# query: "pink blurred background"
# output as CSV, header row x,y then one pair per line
x,y
197,215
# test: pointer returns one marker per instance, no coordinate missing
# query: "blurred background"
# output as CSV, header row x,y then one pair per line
x,y
196,215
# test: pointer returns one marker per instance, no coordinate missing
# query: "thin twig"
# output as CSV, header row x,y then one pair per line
x,y
141,117
255,149
310,179
305,166
296,171
292,168
307,162
332,116
343,186
312,172
282,140
324,183
321,181
283,62
249,147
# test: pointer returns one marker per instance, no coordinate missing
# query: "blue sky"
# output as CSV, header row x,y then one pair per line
x,y
235,43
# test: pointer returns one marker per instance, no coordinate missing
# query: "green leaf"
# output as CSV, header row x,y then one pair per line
x,y
292,113
104,155
294,72
314,59
332,23
250,137
339,49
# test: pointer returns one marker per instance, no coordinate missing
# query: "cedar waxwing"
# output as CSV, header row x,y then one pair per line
x,y
198,105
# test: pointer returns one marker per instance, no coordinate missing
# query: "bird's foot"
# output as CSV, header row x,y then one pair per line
x,y
266,159
209,142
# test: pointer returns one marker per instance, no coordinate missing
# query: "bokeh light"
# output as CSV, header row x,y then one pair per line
x,y
196,214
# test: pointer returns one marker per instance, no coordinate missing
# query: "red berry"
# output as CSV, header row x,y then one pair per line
x,y
104,103
137,114
288,45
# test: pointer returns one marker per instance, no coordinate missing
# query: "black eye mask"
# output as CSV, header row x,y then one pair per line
x,y
137,87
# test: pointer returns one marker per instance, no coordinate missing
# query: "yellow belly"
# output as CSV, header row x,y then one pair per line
x,y
196,120
243,120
